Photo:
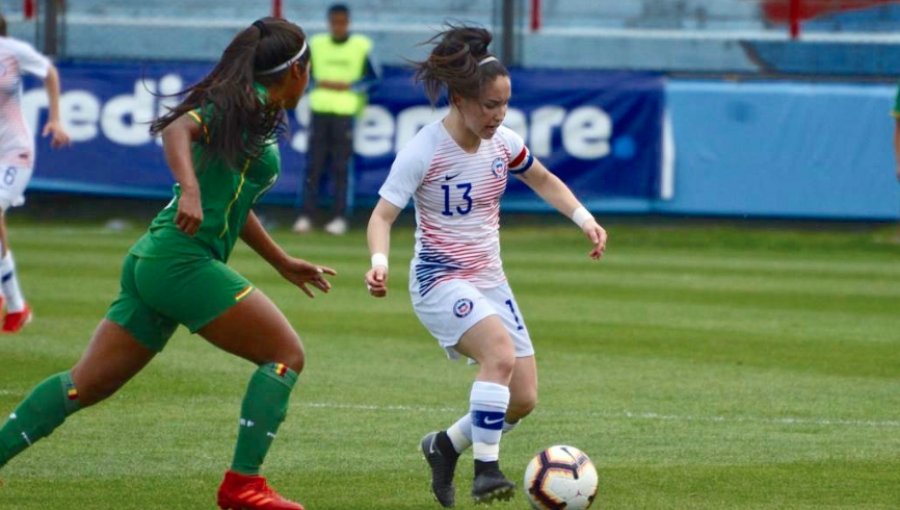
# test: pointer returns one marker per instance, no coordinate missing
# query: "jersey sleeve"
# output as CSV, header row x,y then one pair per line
x,y
406,175
30,60
521,158
896,111
201,117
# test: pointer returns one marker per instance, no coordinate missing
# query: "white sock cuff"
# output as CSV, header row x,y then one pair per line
x,y
508,427
487,452
7,262
491,395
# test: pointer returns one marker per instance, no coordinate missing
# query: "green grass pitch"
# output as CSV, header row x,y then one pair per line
x,y
701,366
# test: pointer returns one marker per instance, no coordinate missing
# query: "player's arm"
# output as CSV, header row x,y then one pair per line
x,y
297,271
378,234
177,138
53,128
555,192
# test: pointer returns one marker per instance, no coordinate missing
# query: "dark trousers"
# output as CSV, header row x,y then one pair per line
x,y
331,143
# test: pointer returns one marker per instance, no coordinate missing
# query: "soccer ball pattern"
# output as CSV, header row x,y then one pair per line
x,y
561,477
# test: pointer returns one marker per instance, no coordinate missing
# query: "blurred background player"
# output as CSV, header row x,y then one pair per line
x,y
342,72
17,155
221,148
456,169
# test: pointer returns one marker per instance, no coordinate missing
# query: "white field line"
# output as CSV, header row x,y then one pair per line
x,y
629,415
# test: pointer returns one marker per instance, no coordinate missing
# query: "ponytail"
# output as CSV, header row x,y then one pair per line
x,y
239,125
459,63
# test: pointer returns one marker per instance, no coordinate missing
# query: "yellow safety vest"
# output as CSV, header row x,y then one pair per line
x,y
341,62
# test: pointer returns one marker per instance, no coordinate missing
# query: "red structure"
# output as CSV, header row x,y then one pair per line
x,y
795,11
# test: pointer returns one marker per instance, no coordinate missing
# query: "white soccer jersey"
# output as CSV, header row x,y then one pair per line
x,y
16,141
457,199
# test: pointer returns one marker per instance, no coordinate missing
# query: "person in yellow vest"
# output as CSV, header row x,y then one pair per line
x,y
342,71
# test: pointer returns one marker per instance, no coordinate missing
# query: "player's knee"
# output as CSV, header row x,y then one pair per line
x,y
294,356
501,364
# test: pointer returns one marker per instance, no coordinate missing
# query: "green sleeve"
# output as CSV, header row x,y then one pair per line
x,y
896,111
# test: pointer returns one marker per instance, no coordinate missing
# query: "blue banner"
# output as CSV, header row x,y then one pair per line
x,y
600,132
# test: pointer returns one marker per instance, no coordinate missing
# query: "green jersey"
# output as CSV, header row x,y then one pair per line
x,y
227,195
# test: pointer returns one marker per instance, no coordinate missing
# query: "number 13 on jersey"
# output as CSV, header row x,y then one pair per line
x,y
465,207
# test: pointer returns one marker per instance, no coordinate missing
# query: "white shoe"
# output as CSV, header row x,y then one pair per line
x,y
302,225
337,227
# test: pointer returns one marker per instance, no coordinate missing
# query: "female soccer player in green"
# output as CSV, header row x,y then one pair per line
x,y
220,145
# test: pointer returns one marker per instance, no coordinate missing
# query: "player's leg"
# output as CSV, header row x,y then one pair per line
x,y
112,358
489,344
256,330
523,386
317,153
13,182
523,392
341,152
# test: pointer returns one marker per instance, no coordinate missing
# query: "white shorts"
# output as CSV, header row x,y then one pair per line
x,y
451,308
13,181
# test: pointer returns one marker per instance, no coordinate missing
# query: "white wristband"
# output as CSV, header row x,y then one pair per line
x,y
379,259
581,215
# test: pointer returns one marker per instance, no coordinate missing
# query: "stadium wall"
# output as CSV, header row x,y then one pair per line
x,y
783,149
762,149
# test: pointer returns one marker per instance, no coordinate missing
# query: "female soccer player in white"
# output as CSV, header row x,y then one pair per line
x,y
456,170
17,154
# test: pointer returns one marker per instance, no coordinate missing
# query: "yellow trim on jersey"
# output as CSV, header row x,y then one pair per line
x,y
242,294
196,116
237,194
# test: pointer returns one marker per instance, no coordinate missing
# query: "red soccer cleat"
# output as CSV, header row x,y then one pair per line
x,y
249,492
14,321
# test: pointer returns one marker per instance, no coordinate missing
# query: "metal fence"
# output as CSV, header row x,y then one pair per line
x,y
748,36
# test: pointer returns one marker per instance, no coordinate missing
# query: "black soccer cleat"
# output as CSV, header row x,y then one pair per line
x,y
443,466
490,485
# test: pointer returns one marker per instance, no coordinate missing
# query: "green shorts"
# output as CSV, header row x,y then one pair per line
x,y
158,294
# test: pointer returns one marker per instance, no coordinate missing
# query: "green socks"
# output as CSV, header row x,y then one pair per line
x,y
264,408
44,409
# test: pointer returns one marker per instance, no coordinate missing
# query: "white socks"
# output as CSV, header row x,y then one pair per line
x,y
15,302
460,433
487,408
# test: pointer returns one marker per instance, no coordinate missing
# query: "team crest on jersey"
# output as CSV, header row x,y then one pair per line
x,y
463,307
499,168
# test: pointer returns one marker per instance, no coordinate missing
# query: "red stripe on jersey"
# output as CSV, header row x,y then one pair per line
x,y
520,158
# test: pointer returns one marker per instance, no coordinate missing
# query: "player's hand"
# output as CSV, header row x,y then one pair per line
x,y
597,235
302,273
59,137
190,212
376,281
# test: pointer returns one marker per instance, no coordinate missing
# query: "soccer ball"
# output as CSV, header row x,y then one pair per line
x,y
561,477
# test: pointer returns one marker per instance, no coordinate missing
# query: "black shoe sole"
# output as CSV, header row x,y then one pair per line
x,y
498,494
